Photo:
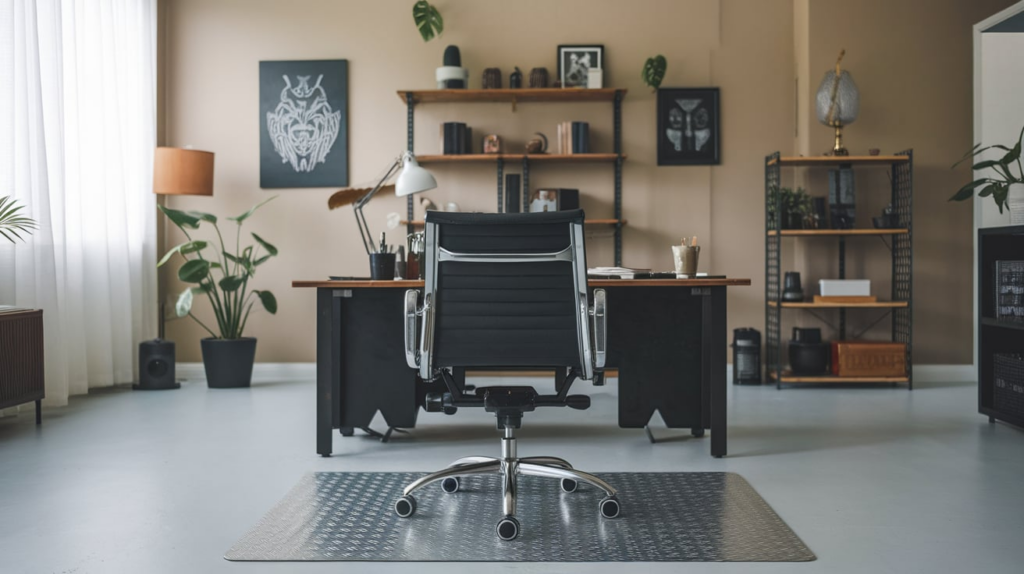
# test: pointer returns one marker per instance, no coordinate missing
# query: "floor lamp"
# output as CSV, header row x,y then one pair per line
x,y
176,171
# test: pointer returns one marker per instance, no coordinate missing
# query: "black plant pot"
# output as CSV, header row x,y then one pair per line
x,y
228,362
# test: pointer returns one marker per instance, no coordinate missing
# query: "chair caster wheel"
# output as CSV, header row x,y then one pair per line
x,y
696,432
405,506
610,507
569,485
450,485
508,528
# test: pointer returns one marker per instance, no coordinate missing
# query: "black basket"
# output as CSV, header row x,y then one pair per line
x,y
1008,384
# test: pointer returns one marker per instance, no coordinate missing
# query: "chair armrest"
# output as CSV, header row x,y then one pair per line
x,y
599,318
412,313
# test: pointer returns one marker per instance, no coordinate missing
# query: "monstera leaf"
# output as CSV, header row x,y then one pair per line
x,y
654,71
428,20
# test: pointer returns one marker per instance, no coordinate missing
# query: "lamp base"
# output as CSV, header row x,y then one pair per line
x,y
837,148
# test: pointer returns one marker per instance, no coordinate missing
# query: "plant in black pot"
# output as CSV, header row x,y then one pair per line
x,y
793,207
223,277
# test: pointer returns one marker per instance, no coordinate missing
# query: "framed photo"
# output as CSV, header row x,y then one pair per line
x,y
689,129
304,123
575,61
543,200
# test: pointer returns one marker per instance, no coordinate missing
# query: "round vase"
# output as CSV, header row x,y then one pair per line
x,y
1015,201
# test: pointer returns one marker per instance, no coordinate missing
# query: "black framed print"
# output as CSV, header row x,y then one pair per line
x,y
575,61
689,129
304,123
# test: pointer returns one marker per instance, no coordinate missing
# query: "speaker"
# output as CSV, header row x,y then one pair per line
x,y
512,193
156,366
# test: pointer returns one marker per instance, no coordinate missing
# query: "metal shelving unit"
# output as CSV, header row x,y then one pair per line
x,y
901,247
516,96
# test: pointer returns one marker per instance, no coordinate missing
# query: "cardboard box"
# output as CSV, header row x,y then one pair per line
x,y
869,359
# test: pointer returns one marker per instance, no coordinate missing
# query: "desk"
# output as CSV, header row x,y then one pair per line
x,y
666,337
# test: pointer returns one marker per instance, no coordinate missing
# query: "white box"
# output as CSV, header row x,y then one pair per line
x,y
844,287
595,78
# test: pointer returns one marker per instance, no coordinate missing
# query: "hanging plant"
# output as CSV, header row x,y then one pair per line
x,y
654,71
427,19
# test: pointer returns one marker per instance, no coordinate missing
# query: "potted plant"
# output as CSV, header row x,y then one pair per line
x,y
1004,185
795,206
223,277
12,222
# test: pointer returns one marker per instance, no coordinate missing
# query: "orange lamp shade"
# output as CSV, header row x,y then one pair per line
x,y
179,171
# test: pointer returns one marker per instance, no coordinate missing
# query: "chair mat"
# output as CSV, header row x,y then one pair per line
x,y
685,517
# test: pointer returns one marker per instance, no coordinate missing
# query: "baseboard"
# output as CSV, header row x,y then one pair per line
x,y
293,371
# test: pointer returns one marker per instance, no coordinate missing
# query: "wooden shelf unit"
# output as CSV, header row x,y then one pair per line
x,y
412,98
511,95
900,305
532,158
588,222
812,305
835,232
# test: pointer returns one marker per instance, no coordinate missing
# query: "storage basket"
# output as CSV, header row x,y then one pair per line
x,y
1008,384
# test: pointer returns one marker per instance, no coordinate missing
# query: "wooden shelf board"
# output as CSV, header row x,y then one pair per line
x,y
419,222
508,95
1002,323
786,378
836,232
533,157
831,161
810,305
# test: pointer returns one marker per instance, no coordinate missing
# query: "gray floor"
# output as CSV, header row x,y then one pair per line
x,y
872,479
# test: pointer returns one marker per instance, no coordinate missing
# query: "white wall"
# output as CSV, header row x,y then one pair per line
x,y
1001,113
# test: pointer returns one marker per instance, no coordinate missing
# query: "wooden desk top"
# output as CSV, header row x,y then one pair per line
x,y
414,283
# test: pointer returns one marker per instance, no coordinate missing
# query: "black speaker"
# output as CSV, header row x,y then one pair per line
x,y
156,366
512,193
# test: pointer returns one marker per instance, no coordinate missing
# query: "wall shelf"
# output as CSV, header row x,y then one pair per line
x,y
1002,323
588,222
532,158
902,261
509,95
411,98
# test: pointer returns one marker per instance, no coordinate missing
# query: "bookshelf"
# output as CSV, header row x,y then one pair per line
x,y
412,98
900,305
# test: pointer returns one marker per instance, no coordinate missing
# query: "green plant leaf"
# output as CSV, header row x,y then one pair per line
x,y
194,271
968,190
180,218
184,249
260,261
233,259
231,283
204,216
184,304
654,71
268,300
12,223
999,194
428,20
251,211
987,191
266,246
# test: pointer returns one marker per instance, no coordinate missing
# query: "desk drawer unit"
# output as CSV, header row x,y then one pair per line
x,y
21,357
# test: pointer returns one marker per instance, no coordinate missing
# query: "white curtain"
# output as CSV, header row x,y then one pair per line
x,y
77,134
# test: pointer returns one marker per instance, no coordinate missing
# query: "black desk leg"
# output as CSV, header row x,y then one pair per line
x,y
39,412
324,369
714,307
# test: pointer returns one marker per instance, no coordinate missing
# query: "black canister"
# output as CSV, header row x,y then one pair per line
x,y
808,355
382,266
746,356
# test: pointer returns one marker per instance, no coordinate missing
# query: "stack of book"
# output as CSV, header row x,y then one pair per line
x,y
456,138
573,137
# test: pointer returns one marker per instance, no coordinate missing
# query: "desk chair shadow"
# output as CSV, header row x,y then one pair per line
x,y
505,291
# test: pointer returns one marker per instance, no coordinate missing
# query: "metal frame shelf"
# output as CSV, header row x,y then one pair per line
x,y
901,305
615,96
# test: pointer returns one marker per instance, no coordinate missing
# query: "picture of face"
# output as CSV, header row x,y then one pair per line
x,y
492,144
574,63
688,129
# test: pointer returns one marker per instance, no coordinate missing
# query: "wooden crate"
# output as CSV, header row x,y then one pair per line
x,y
869,359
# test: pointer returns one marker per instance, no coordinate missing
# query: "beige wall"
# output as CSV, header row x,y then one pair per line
x,y
915,82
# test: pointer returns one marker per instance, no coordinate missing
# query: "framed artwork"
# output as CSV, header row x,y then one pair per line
x,y
575,61
304,123
689,129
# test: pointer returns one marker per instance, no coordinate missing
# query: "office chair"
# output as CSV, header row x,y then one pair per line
x,y
505,291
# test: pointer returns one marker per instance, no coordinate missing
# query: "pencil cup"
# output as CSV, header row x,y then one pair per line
x,y
382,266
685,259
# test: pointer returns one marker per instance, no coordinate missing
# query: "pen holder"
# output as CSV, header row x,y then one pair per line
x,y
382,266
685,259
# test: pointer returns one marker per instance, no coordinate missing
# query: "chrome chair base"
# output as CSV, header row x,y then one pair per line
x,y
509,466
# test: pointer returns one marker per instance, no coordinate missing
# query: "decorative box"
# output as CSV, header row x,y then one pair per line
x,y
869,359
844,287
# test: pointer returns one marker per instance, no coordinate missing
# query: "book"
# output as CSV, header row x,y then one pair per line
x,y
1009,300
456,138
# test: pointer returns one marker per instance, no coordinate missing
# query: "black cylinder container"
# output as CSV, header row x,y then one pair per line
x,y
746,356
228,362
